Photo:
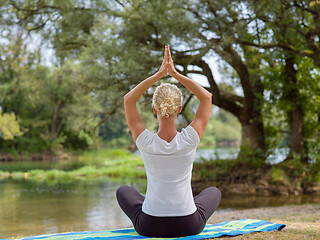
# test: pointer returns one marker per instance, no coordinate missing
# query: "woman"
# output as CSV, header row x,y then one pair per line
x,y
168,209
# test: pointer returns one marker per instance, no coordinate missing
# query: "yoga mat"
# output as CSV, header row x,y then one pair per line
x,y
230,228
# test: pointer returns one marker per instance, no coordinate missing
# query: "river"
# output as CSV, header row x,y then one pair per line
x,y
32,208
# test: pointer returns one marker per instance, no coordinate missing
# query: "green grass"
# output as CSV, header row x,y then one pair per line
x,y
114,163
298,226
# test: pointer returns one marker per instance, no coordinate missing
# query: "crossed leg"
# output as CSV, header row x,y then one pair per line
x,y
130,201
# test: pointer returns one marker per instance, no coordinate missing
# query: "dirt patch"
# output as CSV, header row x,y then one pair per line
x,y
262,213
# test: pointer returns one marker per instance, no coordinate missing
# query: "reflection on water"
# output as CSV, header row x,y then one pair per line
x,y
29,208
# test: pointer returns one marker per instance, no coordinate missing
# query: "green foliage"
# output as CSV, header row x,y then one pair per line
x,y
53,110
278,176
120,142
252,158
9,126
114,127
223,130
277,108
287,91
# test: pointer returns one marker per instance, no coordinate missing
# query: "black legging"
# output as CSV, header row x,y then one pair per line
x,y
130,201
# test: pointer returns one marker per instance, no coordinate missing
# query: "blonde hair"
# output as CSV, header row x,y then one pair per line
x,y
167,99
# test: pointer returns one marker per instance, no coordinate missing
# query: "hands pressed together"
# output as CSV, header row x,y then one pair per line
x,y
167,66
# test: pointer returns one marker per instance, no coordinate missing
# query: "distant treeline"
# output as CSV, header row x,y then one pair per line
x,y
223,130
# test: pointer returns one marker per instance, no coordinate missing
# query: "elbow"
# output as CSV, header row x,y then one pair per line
x,y
128,99
125,97
209,97
206,97
125,100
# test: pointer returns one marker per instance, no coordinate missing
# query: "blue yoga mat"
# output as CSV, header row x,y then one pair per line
x,y
230,228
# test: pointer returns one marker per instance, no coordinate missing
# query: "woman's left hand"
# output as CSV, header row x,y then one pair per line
x,y
163,71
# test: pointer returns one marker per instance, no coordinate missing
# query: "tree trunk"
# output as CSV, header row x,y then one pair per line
x,y
252,142
247,109
295,114
53,125
297,146
253,138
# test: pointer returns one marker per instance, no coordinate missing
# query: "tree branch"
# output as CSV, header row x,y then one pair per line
x,y
232,57
217,98
232,97
306,9
102,121
186,103
196,72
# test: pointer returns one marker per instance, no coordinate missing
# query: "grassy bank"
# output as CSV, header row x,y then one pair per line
x,y
114,163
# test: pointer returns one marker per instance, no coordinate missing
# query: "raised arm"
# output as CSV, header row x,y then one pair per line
x,y
203,112
130,99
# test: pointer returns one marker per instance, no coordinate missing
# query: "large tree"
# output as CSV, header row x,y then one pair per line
x,y
195,30
251,37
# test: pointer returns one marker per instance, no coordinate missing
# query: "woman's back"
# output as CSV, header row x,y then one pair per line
x,y
169,168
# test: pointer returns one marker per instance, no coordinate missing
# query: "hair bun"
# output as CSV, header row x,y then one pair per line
x,y
167,99
167,107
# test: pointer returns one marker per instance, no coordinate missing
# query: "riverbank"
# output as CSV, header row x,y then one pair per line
x,y
302,221
230,176
250,178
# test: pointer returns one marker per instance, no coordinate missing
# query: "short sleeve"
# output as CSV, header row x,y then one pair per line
x,y
190,135
142,139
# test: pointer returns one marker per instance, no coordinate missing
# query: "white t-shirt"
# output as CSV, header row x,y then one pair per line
x,y
169,169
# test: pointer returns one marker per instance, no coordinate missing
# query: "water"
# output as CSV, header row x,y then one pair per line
x,y
274,156
218,153
30,208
